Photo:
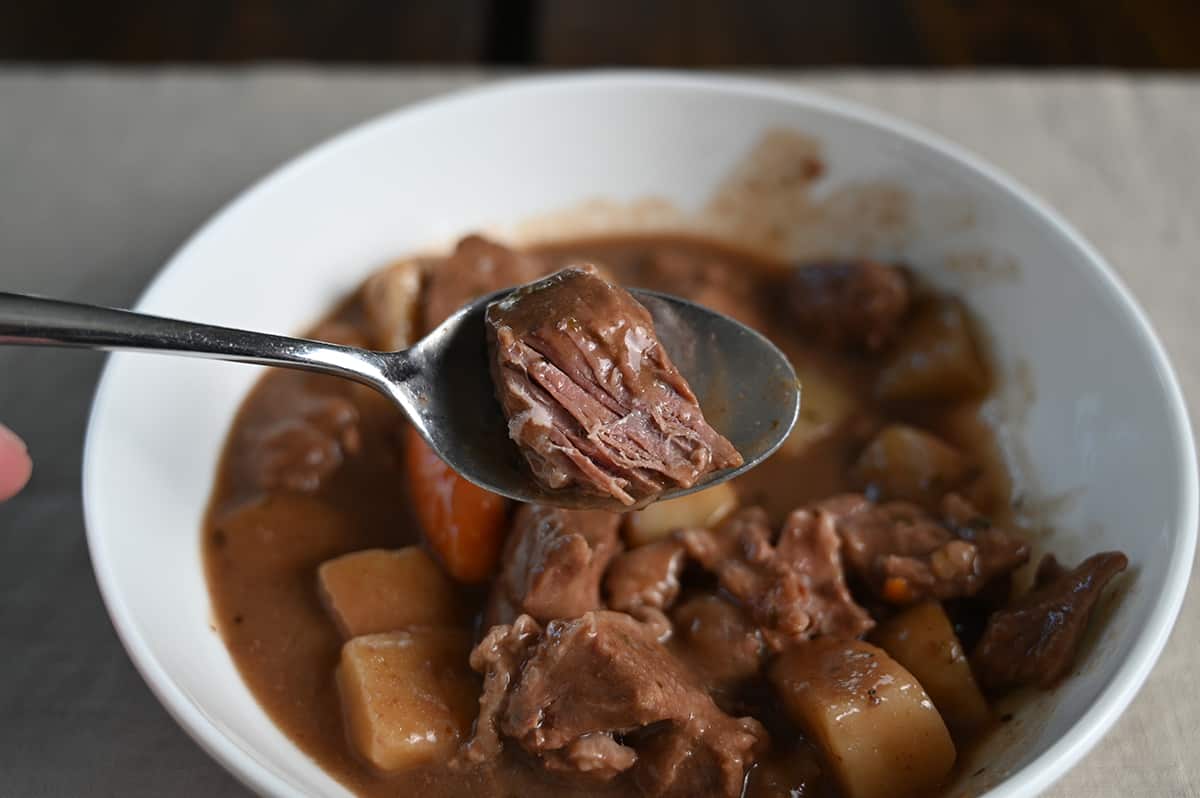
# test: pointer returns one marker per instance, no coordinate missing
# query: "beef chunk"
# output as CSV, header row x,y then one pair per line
x,y
592,398
597,754
599,695
793,772
498,657
692,759
1033,641
597,673
647,576
645,581
552,564
1048,570
718,641
907,555
857,303
300,451
810,547
793,588
477,267
715,283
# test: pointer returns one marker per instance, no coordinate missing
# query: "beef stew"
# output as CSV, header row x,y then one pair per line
x,y
802,630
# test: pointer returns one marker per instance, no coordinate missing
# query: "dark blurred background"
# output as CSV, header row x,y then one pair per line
x,y
1138,34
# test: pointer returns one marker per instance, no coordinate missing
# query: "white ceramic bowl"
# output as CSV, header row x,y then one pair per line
x,y
1106,426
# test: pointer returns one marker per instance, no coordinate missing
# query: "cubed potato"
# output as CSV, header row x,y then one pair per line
x,y
825,404
408,697
935,359
879,732
701,509
922,639
907,463
390,302
381,590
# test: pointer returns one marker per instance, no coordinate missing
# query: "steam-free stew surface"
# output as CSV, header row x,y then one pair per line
x,y
314,468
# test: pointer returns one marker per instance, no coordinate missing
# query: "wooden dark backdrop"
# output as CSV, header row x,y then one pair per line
x,y
1155,34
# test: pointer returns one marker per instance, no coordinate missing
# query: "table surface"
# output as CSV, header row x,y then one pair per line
x,y
104,174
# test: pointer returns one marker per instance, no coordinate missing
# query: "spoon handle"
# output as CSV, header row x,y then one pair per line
x,y
37,321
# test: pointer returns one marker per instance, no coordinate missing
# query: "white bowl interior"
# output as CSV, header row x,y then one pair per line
x,y
1106,428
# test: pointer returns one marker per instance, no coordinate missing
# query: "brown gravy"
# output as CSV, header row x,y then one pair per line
x,y
262,545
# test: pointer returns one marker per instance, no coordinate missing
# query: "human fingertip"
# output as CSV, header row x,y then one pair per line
x,y
15,464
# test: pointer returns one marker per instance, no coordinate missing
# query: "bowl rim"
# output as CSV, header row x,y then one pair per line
x,y
1033,778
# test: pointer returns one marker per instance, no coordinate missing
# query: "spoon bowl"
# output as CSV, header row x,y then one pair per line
x,y
745,385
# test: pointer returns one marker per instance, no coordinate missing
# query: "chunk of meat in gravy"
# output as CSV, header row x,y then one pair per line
x,y
647,576
708,281
718,641
499,657
598,755
794,588
694,759
791,773
645,581
552,564
591,397
477,267
601,694
300,451
848,303
1033,641
907,555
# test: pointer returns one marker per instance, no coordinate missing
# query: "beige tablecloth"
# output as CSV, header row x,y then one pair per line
x,y
103,174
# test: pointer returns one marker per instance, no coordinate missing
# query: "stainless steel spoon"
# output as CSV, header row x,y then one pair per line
x,y
745,385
